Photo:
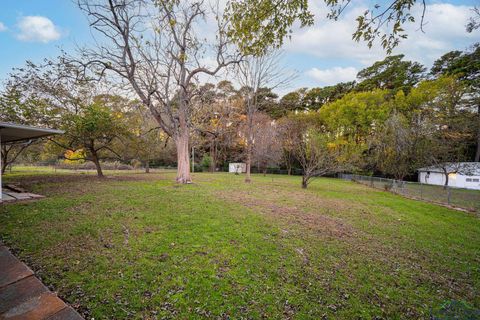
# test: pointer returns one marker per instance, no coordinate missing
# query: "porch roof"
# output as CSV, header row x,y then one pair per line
x,y
12,132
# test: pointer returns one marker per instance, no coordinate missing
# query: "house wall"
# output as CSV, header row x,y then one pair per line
x,y
469,182
455,180
435,178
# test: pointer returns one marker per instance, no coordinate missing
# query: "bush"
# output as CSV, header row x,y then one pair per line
x,y
136,163
91,166
206,162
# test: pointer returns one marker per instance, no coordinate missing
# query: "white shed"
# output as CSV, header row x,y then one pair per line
x,y
460,175
237,167
15,133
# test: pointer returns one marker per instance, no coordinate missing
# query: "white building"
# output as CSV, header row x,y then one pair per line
x,y
237,167
460,175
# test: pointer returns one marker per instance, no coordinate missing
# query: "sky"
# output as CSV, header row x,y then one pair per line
x,y
321,55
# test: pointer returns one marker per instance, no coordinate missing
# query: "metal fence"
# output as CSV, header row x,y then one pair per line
x,y
463,198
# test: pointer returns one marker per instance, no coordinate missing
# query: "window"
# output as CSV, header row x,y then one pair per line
x,y
469,179
475,180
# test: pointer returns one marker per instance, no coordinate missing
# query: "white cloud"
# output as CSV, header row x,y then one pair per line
x,y
37,29
332,76
2,27
444,31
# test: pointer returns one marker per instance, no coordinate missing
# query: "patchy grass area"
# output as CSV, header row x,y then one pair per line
x,y
140,247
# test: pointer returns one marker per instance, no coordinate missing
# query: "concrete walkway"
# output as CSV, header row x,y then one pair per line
x,y
12,193
23,296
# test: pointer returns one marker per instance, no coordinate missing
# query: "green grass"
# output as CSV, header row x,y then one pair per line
x,y
468,199
140,247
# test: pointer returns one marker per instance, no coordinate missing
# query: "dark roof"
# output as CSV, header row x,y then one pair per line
x,y
12,132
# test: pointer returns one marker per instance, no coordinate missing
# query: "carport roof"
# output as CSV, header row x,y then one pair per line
x,y
12,132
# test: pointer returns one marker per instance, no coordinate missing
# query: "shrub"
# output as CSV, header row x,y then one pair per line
x,y
206,162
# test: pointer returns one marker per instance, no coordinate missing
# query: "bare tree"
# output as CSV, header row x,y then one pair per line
x,y
317,155
217,119
289,132
267,149
153,49
255,73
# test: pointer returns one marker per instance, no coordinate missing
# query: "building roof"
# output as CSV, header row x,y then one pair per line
x,y
464,168
12,132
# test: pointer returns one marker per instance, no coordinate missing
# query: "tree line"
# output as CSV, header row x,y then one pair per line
x,y
138,93
395,118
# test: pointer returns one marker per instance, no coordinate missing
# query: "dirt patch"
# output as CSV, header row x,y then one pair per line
x,y
77,183
316,222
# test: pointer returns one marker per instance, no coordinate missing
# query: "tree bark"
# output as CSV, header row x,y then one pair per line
x,y
250,113
4,159
477,153
248,178
446,179
96,161
304,182
147,167
213,155
183,160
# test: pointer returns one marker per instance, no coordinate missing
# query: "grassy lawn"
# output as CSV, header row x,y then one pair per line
x,y
138,246
462,198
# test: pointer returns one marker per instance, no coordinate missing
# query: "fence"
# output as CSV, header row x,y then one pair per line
x,y
457,197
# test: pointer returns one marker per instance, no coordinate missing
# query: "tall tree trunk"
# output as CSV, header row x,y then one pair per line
x,y
446,179
250,114
289,165
183,160
4,159
147,167
248,177
213,155
477,153
304,182
182,134
96,161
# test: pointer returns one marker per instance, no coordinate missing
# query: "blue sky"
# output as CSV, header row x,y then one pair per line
x,y
323,54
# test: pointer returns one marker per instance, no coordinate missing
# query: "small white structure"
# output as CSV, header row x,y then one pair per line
x,y
237,167
11,133
460,175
